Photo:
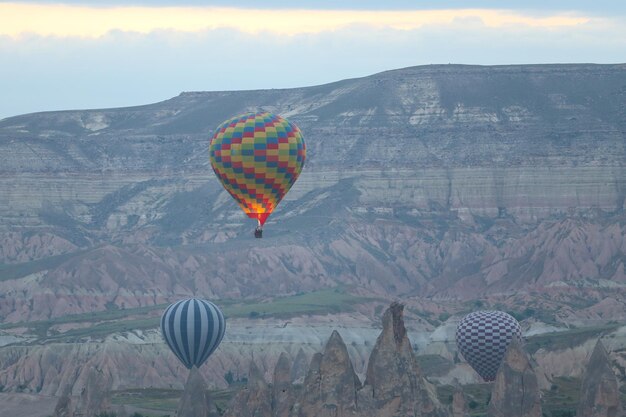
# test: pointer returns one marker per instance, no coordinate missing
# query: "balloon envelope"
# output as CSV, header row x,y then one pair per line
x,y
193,328
257,157
483,337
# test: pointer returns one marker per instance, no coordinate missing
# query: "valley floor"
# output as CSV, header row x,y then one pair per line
x,y
26,405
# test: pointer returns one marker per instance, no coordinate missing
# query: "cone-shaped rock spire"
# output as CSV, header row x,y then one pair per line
x,y
599,392
516,391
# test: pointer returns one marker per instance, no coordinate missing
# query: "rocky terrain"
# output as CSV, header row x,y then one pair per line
x,y
599,393
439,181
395,385
516,388
450,188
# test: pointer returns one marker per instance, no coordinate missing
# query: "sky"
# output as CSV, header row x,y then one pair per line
x,y
112,53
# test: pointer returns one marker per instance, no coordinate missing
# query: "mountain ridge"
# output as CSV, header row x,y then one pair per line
x,y
499,183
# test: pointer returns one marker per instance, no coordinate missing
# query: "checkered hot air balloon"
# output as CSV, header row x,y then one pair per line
x,y
193,328
483,337
257,157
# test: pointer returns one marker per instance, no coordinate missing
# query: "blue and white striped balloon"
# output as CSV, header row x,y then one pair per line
x,y
193,328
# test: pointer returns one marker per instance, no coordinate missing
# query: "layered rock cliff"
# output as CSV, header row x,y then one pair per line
x,y
441,185
440,180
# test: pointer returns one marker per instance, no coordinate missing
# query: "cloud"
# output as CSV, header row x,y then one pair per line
x,y
599,7
122,68
17,19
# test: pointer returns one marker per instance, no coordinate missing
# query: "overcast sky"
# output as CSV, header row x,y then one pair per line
x,y
97,54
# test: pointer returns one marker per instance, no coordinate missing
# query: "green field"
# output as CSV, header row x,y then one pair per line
x,y
560,401
327,301
154,402
14,271
158,401
566,339
562,398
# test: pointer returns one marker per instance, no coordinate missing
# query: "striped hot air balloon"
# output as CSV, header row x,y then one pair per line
x,y
257,157
193,328
483,337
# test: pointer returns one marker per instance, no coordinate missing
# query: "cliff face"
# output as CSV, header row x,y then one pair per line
x,y
441,180
430,183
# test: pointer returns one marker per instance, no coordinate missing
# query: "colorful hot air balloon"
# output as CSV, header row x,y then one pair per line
x,y
193,328
257,157
483,337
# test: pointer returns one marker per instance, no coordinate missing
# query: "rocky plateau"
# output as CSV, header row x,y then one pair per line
x,y
449,188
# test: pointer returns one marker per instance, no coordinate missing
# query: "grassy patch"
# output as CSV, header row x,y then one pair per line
x,y
542,315
165,400
476,395
104,329
562,398
15,271
566,339
333,300
434,365
41,327
159,402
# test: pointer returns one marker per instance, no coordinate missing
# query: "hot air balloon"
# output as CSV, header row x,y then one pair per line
x,y
257,157
193,328
483,337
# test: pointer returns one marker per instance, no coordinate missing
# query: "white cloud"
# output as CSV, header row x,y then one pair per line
x,y
89,21
120,68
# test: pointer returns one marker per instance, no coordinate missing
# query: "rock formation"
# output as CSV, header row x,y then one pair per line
x,y
475,153
282,390
255,400
478,192
94,397
64,405
516,391
394,386
195,401
312,382
599,392
299,367
393,377
331,385
459,403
